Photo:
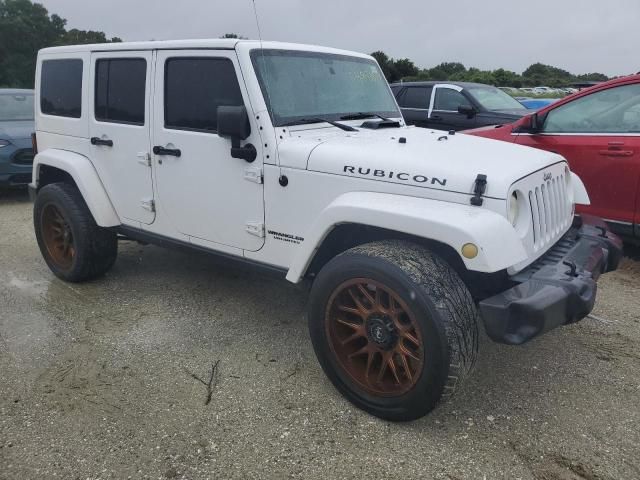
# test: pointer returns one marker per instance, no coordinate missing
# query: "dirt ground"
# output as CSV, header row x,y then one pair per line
x,y
173,366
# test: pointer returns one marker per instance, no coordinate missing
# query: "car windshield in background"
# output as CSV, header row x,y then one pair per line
x,y
494,99
299,85
14,106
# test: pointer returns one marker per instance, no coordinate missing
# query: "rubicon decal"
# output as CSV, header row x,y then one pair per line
x,y
402,176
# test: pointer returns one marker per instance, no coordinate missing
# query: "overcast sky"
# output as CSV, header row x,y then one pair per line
x,y
580,36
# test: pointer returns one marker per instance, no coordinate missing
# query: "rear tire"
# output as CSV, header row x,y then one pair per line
x,y
73,245
425,333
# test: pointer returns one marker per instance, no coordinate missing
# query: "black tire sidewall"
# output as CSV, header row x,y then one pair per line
x,y
76,217
425,394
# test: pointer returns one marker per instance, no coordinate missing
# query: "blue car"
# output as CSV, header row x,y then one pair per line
x,y
16,127
536,103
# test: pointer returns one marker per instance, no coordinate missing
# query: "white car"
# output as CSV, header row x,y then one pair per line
x,y
296,159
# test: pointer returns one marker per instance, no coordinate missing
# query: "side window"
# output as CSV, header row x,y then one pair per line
x,y
416,97
61,88
615,110
120,90
448,99
195,88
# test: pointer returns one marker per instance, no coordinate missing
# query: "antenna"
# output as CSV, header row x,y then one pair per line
x,y
266,76
255,12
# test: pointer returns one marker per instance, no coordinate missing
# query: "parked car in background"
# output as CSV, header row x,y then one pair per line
x,y
16,127
535,103
455,105
598,131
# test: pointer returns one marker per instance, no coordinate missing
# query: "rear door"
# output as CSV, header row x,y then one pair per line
x,y
599,134
119,127
414,102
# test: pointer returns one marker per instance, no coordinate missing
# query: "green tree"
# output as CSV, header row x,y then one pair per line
x,y
386,64
25,28
593,77
540,74
405,68
506,78
80,37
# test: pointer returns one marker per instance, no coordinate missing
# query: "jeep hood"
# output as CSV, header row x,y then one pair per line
x,y
423,158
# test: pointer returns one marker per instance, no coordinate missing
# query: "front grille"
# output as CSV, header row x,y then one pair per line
x,y
550,210
23,157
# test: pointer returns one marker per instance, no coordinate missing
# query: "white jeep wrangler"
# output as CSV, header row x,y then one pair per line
x,y
297,159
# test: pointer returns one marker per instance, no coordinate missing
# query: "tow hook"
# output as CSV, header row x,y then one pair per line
x,y
572,268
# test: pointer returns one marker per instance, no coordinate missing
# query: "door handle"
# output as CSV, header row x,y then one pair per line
x,y
175,152
616,153
100,141
436,118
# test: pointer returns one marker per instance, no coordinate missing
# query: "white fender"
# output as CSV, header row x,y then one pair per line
x,y
580,195
450,223
87,180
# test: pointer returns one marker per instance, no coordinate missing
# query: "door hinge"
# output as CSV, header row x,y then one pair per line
x,y
149,204
144,158
256,228
253,174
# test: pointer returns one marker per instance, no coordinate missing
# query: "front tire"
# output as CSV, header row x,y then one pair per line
x,y
74,247
394,328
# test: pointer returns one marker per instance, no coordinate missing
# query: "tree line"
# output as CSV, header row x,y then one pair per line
x,y
536,75
25,28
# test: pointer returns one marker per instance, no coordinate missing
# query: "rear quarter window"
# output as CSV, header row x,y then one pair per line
x,y
61,88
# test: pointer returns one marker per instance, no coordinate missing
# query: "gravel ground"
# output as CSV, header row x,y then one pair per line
x,y
173,366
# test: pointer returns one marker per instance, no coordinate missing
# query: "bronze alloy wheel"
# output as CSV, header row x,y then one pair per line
x,y
58,237
374,337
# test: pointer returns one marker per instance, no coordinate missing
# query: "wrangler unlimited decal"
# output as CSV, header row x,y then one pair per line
x,y
286,237
389,174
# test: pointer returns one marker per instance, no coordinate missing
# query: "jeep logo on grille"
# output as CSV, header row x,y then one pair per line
x,y
547,176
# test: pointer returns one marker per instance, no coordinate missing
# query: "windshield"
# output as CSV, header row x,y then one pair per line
x,y
493,98
301,85
16,106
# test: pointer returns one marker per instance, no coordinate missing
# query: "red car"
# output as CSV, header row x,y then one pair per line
x,y
598,131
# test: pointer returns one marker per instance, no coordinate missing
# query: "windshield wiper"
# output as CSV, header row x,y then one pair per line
x,y
363,115
384,123
304,121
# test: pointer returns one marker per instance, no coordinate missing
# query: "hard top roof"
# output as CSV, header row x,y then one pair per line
x,y
215,43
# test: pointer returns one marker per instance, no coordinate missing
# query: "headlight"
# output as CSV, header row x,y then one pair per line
x,y
514,208
4,143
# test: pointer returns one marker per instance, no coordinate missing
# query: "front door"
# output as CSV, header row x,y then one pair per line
x,y
119,127
599,134
204,192
443,111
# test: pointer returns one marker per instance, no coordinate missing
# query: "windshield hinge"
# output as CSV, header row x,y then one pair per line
x,y
255,228
480,186
253,174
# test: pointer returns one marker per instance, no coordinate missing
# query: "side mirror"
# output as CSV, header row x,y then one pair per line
x,y
530,124
467,110
233,123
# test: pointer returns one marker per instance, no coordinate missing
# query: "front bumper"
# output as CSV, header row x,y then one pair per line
x,y
558,289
